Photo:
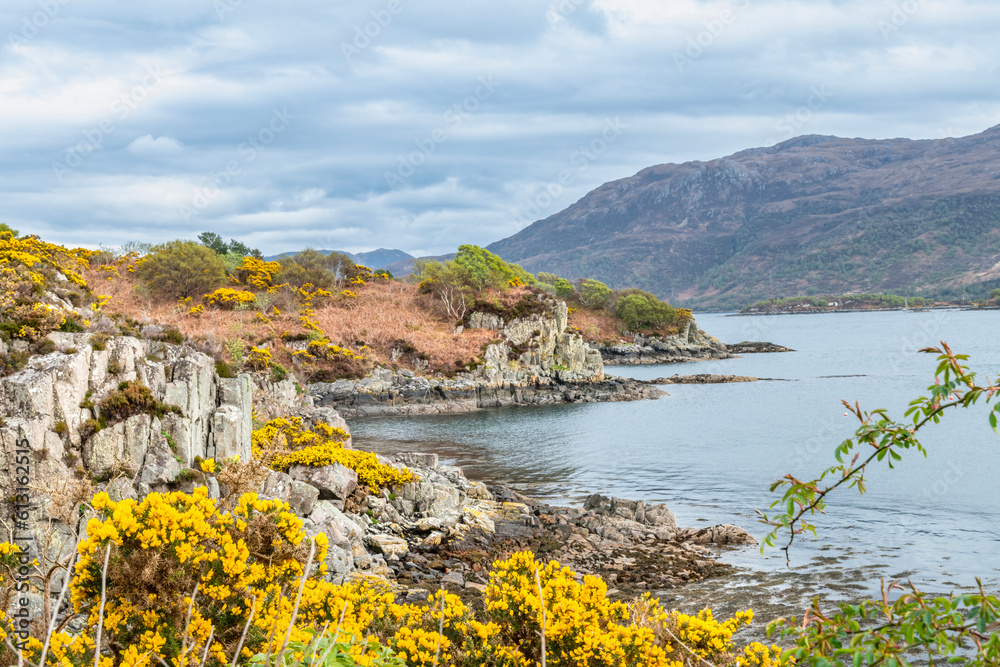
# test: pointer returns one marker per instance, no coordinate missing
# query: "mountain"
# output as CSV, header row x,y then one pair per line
x,y
815,214
373,259
405,267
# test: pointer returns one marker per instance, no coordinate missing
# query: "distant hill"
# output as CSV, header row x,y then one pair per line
x,y
815,214
405,267
373,259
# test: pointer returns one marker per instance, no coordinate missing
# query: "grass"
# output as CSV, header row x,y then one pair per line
x,y
384,316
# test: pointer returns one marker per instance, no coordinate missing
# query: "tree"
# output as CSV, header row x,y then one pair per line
x,y
449,283
564,288
213,241
312,266
995,295
4,227
594,293
960,628
182,269
486,270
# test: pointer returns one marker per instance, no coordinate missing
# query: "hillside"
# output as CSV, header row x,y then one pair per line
x,y
373,259
815,214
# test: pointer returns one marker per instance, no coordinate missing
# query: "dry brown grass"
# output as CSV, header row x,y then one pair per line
x,y
384,316
596,326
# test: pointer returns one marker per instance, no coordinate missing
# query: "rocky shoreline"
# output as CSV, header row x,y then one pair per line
x,y
444,531
690,345
749,347
389,393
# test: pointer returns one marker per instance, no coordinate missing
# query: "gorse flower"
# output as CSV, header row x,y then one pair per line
x,y
323,445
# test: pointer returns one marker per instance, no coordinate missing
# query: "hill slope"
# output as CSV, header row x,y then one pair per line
x,y
373,259
812,214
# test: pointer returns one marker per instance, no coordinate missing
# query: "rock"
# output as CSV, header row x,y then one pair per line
x,y
704,378
230,436
721,535
476,587
278,486
335,482
161,465
749,347
388,545
414,458
120,489
302,498
118,449
453,579
341,529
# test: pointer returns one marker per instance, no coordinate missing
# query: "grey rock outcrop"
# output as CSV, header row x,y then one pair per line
x,y
335,482
537,361
692,344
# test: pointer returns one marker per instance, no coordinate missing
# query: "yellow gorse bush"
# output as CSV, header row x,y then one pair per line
x,y
319,446
253,560
167,545
256,273
229,298
37,257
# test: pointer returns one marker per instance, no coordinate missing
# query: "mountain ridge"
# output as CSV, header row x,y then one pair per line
x,y
814,213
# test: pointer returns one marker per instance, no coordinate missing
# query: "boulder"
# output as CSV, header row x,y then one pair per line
x,y
388,545
335,482
301,497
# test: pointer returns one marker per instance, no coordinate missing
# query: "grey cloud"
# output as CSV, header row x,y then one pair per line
x,y
564,69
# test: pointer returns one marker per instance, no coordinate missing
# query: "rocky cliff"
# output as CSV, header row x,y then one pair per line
x,y
438,529
535,360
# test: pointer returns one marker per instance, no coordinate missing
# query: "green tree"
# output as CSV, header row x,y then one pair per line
x,y
213,241
995,295
4,227
486,270
641,310
182,269
312,266
594,293
564,288
449,283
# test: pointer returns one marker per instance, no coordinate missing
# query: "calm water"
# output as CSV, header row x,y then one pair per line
x,y
711,452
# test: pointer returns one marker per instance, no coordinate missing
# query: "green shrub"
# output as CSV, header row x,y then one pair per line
x,y
313,267
564,288
643,311
130,399
485,270
181,269
224,370
594,293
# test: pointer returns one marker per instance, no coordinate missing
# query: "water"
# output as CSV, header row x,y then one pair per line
x,y
711,451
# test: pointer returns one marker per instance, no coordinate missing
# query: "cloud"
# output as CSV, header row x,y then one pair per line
x,y
160,115
147,146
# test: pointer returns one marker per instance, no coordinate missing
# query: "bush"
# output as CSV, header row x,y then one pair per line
x,y
640,310
313,267
564,288
594,293
321,445
132,398
181,269
485,270
230,299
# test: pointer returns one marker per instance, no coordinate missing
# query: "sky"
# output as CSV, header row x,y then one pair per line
x,y
424,125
